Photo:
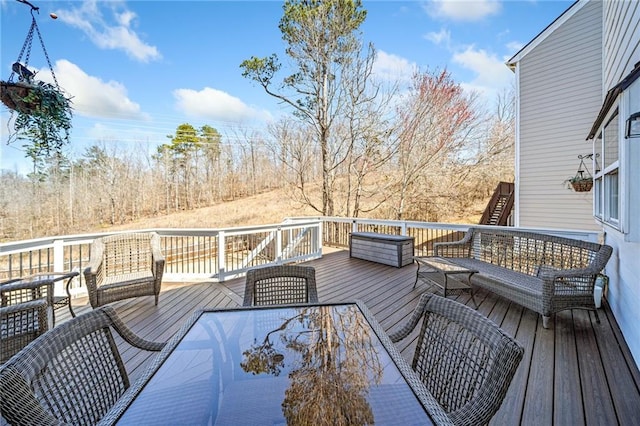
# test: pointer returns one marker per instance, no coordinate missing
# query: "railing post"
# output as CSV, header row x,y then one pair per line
x,y
403,228
279,245
317,243
222,257
58,266
58,256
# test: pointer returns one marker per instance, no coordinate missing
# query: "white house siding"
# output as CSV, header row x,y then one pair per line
x,y
621,51
621,40
560,94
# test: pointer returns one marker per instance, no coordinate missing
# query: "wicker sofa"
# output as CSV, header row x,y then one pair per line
x,y
541,272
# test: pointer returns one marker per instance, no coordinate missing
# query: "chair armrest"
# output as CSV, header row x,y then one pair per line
x,y
410,325
128,335
97,251
156,252
581,279
586,276
457,247
93,268
157,257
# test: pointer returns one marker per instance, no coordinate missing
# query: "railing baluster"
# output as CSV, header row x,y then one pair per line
x,y
223,254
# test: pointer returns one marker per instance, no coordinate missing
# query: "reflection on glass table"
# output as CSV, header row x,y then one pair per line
x,y
312,364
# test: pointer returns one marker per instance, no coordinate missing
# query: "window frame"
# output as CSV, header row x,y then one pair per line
x,y
604,179
613,175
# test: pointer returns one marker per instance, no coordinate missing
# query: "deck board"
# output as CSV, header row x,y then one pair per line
x,y
578,372
598,404
567,374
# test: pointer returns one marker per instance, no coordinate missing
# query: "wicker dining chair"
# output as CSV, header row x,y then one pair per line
x,y
26,311
279,285
73,374
464,359
124,266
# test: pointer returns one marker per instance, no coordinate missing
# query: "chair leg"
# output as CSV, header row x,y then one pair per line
x,y
473,299
157,299
595,311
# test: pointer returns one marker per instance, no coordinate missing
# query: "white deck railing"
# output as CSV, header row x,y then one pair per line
x,y
221,254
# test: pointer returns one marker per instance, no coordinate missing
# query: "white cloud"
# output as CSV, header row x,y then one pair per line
x,y
393,68
215,104
514,47
462,10
91,96
492,76
117,35
439,38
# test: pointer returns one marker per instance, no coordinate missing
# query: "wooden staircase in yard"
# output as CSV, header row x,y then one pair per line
x,y
499,207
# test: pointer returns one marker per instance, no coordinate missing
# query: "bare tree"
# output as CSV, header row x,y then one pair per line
x,y
496,154
322,39
295,151
367,128
435,123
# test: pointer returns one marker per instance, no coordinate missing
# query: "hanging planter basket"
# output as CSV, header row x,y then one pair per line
x,y
36,99
41,112
582,185
23,97
582,181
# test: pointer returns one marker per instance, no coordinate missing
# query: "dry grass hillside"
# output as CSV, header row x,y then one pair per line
x,y
267,208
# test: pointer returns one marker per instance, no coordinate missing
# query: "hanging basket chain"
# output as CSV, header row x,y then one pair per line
x,y
43,110
582,168
46,55
26,47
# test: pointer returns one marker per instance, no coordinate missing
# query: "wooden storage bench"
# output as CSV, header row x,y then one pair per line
x,y
394,250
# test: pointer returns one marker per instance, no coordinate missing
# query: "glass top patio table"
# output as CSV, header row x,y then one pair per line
x,y
313,364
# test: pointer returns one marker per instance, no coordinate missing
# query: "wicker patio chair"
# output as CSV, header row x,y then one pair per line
x,y
124,266
280,284
465,360
26,310
73,374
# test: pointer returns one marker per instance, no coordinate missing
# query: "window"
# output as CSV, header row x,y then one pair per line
x,y
614,202
607,189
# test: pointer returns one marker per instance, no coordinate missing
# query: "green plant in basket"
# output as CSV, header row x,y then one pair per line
x,y
581,183
43,118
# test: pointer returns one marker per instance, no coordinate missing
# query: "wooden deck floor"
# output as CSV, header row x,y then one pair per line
x,y
576,373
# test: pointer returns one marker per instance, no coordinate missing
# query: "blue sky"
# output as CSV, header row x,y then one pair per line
x,y
138,69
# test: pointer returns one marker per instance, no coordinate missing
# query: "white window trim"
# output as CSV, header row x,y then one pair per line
x,y
620,224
